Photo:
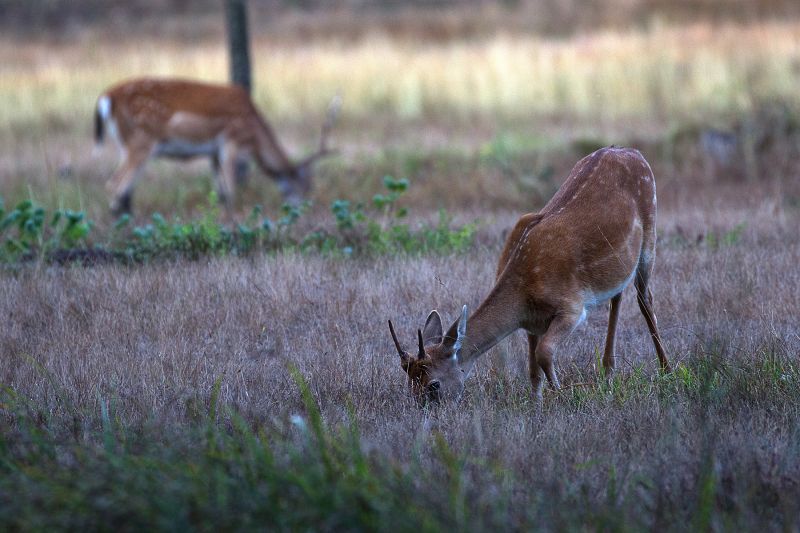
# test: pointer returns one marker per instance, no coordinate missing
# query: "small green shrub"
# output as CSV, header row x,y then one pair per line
x,y
25,230
384,230
729,238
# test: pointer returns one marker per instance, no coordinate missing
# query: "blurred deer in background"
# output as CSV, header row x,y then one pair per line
x,y
182,119
595,236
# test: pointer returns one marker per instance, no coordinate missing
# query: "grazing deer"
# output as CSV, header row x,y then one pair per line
x,y
595,236
183,119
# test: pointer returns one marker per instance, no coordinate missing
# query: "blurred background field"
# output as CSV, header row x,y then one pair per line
x,y
498,98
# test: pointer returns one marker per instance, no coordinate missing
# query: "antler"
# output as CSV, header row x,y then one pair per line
x,y
327,126
396,342
421,354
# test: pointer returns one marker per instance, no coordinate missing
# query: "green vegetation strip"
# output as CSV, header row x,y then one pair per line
x,y
28,233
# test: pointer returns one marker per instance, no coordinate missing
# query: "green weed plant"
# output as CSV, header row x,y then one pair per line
x,y
28,232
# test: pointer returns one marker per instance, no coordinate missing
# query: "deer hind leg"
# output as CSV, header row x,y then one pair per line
x,y
644,297
608,353
242,171
120,186
215,164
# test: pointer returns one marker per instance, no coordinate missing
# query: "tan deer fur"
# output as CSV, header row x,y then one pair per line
x,y
182,119
595,236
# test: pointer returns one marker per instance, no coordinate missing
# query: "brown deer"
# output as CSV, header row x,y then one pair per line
x,y
182,119
595,236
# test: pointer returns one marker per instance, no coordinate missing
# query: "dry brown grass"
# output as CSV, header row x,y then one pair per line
x,y
155,339
158,334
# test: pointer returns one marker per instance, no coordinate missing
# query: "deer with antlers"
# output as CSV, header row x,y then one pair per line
x,y
183,119
595,236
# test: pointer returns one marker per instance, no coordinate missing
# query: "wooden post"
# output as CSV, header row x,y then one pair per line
x,y
238,42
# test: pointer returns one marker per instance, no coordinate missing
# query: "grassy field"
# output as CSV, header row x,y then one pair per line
x,y
164,395
264,391
415,108
661,72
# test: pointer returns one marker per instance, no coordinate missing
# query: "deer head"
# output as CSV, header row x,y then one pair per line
x,y
435,372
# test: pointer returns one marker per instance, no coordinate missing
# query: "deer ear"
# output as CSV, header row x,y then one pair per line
x,y
432,332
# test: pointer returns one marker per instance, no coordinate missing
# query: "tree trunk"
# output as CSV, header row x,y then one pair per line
x,y
238,42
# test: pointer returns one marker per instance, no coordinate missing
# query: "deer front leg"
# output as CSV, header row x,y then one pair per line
x,y
561,326
535,371
226,176
608,354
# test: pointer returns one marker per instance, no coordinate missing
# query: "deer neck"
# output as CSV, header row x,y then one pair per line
x,y
270,152
500,314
